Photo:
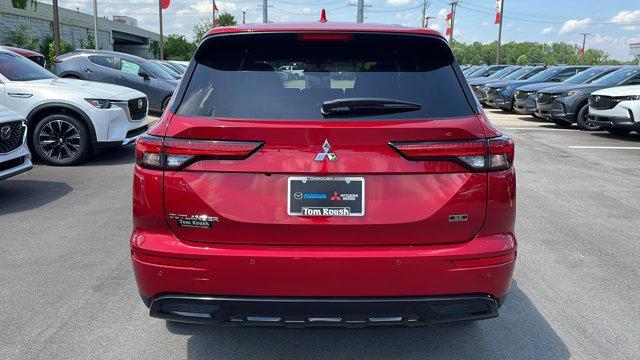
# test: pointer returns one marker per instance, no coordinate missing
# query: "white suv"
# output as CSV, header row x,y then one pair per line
x,y
14,153
68,119
617,109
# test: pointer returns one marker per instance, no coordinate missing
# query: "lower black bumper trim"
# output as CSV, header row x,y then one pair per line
x,y
331,312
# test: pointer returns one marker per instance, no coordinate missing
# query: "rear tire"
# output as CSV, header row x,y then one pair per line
x,y
583,120
618,132
562,124
61,140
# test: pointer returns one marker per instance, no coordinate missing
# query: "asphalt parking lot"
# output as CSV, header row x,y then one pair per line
x,y
68,290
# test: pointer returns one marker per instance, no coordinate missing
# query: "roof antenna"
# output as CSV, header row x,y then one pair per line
x,y
323,16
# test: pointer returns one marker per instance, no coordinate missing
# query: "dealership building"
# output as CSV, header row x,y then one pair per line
x,y
634,49
76,28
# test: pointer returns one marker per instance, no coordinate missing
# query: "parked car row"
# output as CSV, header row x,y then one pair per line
x,y
594,98
61,121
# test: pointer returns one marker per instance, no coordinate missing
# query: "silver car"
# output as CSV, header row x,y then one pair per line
x,y
14,152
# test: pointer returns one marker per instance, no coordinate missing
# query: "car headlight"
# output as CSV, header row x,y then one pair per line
x,y
568,93
100,103
630,97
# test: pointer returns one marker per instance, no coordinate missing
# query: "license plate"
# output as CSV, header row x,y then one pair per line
x,y
325,196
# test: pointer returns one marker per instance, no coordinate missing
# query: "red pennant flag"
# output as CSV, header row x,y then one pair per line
x,y
448,19
581,51
498,11
215,7
164,4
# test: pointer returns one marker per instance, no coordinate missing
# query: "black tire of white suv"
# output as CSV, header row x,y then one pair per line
x,y
61,140
583,122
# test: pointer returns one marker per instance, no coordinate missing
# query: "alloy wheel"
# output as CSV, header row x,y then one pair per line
x,y
59,140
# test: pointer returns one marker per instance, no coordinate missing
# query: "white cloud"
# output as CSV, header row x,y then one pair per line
x,y
626,16
435,26
485,24
307,10
575,25
398,2
547,30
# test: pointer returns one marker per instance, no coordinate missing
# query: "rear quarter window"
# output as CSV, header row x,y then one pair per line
x,y
284,76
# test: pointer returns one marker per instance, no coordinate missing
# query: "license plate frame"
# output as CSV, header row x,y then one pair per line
x,y
296,198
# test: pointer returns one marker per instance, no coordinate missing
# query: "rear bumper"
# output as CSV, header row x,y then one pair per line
x,y
164,264
322,312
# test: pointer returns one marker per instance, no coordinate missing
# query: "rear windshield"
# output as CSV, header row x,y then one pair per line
x,y
290,76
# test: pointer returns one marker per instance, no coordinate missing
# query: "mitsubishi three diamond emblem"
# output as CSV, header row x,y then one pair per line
x,y
326,154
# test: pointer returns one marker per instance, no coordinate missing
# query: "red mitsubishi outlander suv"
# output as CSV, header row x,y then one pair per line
x,y
323,174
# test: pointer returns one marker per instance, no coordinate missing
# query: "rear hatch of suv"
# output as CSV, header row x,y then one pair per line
x,y
379,143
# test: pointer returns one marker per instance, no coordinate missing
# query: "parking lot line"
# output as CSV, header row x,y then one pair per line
x,y
607,147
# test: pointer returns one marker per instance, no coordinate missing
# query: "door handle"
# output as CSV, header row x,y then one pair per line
x,y
20,95
88,71
122,78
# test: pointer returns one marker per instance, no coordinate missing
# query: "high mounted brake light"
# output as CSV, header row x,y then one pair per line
x,y
173,154
476,155
324,37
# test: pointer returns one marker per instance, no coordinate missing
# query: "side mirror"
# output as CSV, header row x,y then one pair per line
x,y
143,74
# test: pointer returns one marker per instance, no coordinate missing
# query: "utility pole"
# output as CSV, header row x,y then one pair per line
x,y
426,20
500,32
244,17
265,13
425,5
453,19
360,13
95,23
161,36
584,42
56,28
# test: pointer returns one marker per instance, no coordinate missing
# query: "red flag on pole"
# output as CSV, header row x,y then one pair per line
x,y
581,51
448,19
498,11
164,4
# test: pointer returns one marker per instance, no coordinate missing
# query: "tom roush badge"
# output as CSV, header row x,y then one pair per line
x,y
194,221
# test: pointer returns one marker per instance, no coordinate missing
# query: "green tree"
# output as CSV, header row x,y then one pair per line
x,y
201,28
20,38
522,60
154,48
178,47
226,19
51,52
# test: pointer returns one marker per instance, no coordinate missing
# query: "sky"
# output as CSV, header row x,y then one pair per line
x,y
612,24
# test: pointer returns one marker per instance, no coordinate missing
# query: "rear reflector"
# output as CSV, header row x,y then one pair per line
x,y
496,260
158,260
174,154
476,155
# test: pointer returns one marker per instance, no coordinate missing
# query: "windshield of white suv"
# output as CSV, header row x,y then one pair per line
x,y
16,68
341,75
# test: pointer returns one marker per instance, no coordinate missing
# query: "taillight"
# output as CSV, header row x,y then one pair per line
x,y
476,155
173,154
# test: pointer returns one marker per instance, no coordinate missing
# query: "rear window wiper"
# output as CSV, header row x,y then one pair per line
x,y
366,106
